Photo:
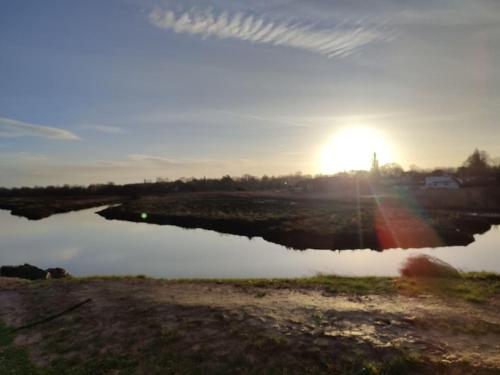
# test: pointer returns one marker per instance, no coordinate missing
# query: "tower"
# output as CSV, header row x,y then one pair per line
x,y
375,169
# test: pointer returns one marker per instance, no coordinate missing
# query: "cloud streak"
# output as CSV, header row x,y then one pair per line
x,y
160,160
14,128
106,129
25,169
338,41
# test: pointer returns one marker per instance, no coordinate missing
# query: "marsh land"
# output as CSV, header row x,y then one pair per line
x,y
304,221
394,219
37,208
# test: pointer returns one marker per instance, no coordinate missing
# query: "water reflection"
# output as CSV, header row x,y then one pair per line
x,y
86,244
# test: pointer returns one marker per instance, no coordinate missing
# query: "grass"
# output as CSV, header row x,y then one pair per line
x,y
475,287
335,284
15,360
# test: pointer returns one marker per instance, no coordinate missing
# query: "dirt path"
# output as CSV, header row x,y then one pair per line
x,y
224,326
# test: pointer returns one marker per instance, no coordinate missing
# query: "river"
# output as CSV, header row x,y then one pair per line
x,y
85,244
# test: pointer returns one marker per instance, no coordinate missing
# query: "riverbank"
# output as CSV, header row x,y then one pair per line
x,y
295,220
308,221
324,324
37,208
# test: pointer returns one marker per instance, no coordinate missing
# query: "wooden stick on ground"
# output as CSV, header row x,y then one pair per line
x,y
52,317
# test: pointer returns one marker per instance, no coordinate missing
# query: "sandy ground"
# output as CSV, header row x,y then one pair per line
x,y
253,327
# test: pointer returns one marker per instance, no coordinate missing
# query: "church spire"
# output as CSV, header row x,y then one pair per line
x,y
375,169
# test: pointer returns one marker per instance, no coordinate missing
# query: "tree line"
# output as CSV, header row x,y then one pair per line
x,y
477,169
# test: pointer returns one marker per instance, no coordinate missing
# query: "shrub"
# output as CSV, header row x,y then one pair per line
x,y
422,265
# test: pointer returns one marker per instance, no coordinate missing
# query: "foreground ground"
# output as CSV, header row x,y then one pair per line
x,y
324,324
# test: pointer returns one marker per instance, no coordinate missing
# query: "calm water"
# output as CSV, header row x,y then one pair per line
x,y
86,244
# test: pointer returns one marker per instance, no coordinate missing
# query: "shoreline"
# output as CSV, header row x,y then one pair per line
x,y
38,208
302,223
297,221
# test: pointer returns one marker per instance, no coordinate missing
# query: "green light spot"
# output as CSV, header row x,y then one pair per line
x,y
144,216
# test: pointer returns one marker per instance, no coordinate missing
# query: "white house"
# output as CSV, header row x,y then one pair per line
x,y
442,182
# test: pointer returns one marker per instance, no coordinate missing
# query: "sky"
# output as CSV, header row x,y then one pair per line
x,y
124,90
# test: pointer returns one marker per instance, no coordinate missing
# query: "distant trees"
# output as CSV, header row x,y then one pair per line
x,y
477,169
163,186
393,170
478,164
478,161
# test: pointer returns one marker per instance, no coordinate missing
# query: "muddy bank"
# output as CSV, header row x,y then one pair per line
x,y
38,208
307,223
148,326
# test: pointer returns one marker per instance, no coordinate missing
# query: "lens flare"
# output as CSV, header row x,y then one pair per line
x,y
352,148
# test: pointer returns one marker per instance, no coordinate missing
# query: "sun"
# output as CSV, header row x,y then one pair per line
x,y
352,148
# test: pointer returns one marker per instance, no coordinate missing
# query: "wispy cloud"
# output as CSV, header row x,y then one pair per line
x,y
25,169
107,129
451,13
160,160
340,40
14,128
6,157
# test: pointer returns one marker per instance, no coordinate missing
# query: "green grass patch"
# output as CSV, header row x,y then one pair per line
x,y
477,287
15,360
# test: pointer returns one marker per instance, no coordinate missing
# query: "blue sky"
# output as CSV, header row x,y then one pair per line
x,y
121,90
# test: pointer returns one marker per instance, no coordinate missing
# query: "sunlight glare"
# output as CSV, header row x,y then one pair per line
x,y
352,148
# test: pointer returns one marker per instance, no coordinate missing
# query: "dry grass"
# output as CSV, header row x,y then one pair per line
x,y
422,265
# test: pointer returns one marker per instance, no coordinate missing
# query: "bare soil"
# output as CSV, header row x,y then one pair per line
x,y
228,328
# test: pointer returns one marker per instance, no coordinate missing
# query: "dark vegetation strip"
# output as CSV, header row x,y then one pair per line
x,y
295,220
300,223
42,207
